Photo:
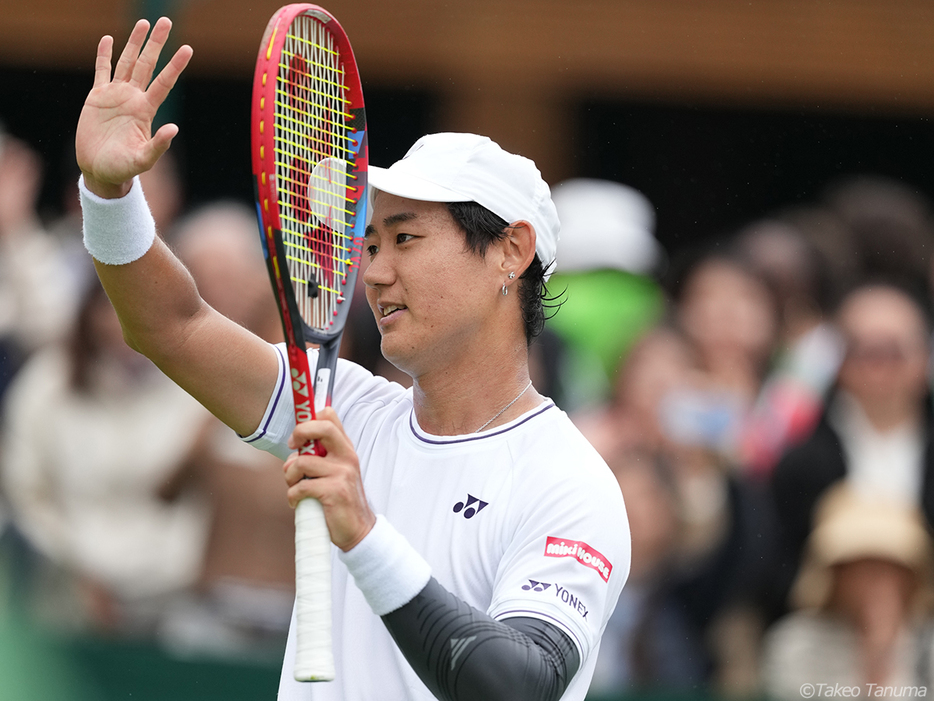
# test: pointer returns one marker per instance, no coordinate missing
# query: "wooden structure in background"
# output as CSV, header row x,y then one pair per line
x,y
512,69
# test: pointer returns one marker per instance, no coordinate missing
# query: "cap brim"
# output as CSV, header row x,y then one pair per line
x,y
410,186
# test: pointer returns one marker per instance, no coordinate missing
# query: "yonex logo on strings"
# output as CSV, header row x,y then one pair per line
x,y
471,508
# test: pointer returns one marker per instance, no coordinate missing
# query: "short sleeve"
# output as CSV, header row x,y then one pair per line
x,y
356,393
570,555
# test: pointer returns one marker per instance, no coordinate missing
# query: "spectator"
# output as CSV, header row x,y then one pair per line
x,y
93,439
650,645
700,540
658,366
890,227
861,601
730,316
37,289
607,255
876,430
808,347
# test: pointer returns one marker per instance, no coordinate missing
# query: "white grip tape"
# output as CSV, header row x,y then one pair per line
x,y
314,660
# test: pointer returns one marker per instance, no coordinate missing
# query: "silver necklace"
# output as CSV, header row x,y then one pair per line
x,y
500,413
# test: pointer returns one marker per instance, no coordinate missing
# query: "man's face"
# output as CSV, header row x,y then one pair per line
x,y
887,349
430,295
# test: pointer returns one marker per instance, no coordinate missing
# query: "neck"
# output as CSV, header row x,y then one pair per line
x,y
460,398
888,415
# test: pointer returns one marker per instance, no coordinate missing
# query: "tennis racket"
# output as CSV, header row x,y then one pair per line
x,y
309,154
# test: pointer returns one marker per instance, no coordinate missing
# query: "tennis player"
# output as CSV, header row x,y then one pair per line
x,y
480,542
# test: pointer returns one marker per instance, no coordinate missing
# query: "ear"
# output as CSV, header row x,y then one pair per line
x,y
517,248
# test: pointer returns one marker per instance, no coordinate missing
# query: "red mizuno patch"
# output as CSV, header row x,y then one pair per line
x,y
587,556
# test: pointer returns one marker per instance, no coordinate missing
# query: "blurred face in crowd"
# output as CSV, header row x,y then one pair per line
x,y
887,348
662,364
875,596
659,362
219,245
872,590
728,312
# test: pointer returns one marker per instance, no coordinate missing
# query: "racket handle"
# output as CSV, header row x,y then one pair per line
x,y
314,660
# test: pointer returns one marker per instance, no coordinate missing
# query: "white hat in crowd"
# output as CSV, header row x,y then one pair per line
x,y
605,224
451,167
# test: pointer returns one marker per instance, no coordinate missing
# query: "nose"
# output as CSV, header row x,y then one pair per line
x,y
377,271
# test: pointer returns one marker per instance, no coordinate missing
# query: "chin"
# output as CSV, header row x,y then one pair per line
x,y
403,362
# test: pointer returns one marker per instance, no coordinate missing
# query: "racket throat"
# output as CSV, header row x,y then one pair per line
x,y
322,388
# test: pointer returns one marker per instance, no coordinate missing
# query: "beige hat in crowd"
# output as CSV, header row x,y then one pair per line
x,y
849,526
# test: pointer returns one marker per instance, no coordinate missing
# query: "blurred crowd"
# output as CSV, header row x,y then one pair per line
x,y
763,398
128,514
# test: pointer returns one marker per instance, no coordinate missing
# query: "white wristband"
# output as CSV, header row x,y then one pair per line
x,y
117,231
386,568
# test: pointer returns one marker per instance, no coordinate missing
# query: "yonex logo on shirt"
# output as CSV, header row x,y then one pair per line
x,y
471,508
535,586
561,593
583,553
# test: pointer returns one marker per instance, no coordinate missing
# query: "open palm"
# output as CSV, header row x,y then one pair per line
x,y
114,140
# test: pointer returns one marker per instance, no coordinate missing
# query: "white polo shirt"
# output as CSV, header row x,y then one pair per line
x,y
522,520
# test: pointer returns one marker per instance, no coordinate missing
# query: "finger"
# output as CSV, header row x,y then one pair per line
x,y
160,143
168,76
302,466
130,53
102,65
305,489
146,64
326,432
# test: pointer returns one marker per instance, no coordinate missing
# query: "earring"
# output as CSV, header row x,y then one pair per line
x,y
511,276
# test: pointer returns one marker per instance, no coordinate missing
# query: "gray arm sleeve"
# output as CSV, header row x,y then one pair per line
x,y
462,654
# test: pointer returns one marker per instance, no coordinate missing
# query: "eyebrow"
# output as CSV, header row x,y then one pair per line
x,y
391,220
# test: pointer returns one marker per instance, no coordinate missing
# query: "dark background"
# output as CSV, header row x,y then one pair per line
x,y
706,169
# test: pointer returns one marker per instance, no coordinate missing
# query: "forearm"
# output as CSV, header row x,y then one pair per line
x,y
226,368
460,653
152,292
155,298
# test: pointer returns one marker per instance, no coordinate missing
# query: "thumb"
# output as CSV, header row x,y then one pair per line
x,y
160,143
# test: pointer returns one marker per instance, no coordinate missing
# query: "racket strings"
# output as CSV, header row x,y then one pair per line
x,y
300,74
296,132
314,146
306,176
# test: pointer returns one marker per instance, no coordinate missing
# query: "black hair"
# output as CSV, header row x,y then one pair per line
x,y
482,227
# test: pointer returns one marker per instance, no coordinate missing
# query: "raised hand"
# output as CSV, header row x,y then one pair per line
x,y
114,140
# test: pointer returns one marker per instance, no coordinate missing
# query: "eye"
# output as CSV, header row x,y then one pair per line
x,y
372,250
403,238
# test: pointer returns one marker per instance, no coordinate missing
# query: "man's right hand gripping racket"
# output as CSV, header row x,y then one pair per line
x,y
309,153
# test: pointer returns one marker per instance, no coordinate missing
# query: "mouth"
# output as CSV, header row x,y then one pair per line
x,y
390,310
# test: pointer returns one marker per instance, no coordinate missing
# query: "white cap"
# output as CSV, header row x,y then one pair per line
x,y
605,225
451,167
